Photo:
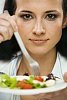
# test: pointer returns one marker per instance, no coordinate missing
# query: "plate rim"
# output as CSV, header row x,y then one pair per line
x,y
58,86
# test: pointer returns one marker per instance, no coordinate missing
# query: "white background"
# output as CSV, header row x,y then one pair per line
x,y
1,5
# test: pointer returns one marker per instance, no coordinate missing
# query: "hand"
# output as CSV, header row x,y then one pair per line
x,y
58,95
7,26
65,76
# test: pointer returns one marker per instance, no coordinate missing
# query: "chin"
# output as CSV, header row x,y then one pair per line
x,y
38,52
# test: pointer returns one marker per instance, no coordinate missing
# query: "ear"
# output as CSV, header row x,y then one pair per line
x,y
64,22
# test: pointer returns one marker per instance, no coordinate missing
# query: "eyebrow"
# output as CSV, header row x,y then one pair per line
x,y
49,11
26,11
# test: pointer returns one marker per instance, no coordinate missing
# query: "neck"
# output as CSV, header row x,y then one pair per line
x,y
46,61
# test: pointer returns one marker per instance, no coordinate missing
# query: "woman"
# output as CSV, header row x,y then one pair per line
x,y
42,25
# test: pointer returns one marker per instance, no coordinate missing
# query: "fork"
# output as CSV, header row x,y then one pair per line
x,y
33,66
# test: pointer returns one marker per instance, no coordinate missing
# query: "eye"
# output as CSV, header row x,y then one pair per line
x,y
26,17
51,17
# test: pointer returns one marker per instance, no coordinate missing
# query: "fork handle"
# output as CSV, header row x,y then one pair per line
x,y
27,56
22,47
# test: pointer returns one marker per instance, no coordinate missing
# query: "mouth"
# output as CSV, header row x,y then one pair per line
x,y
39,41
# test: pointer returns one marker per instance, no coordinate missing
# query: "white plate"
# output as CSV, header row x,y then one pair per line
x,y
58,86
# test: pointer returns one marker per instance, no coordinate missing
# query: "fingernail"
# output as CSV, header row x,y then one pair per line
x,y
1,38
5,11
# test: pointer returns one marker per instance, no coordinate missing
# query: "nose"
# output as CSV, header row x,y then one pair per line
x,y
38,28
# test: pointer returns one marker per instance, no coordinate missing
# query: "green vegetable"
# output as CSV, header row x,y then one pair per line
x,y
3,85
7,81
44,86
30,80
36,85
11,82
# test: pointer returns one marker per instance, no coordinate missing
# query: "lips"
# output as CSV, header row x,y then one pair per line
x,y
39,41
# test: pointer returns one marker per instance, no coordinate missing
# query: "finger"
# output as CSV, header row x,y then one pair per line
x,y
6,24
10,19
57,93
65,76
15,24
6,11
1,38
5,27
43,96
3,22
4,32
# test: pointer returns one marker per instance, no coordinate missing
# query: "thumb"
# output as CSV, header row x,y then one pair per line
x,y
65,76
12,20
15,27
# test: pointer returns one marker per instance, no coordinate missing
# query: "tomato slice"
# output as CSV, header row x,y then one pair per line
x,y
39,78
23,85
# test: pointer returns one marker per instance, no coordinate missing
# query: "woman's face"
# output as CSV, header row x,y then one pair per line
x,y
39,24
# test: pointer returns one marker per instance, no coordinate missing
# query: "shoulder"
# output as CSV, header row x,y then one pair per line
x,y
9,67
63,61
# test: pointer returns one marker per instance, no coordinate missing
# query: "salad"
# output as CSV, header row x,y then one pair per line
x,y
28,82
7,81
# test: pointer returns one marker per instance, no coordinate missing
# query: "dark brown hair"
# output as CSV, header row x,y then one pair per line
x,y
10,47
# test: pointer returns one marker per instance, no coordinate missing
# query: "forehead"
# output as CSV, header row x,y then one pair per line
x,y
39,4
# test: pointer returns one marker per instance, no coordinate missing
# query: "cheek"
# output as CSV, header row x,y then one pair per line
x,y
55,30
24,27
54,33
